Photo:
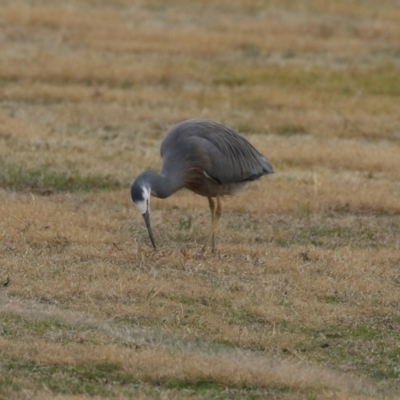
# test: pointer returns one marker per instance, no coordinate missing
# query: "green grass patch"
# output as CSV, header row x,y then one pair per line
x,y
380,80
16,326
185,223
333,299
93,380
370,348
45,180
108,379
335,232
200,385
363,332
209,387
290,130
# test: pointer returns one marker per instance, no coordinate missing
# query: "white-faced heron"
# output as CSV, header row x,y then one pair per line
x,y
205,157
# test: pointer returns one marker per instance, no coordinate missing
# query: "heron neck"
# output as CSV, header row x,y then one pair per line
x,y
162,186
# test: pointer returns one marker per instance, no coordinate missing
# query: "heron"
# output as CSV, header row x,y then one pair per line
x,y
206,157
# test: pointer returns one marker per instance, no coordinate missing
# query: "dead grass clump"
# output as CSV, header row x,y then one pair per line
x,y
170,367
301,297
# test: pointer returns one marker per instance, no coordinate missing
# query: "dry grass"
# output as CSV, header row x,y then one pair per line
x,y
301,299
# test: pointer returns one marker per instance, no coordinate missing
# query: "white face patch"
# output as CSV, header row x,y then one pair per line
x,y
144,204
141,206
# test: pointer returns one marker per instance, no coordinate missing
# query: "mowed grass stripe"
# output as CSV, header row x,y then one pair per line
x,y
303,290
72,69
45,180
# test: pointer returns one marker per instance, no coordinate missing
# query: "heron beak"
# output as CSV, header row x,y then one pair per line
x,y
146,217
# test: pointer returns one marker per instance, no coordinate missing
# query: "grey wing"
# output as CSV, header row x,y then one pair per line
x,y
225,156
231,157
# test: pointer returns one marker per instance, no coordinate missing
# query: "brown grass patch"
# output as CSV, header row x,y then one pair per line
x,y
301,298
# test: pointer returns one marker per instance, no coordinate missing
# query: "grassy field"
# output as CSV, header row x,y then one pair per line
x,y
301,299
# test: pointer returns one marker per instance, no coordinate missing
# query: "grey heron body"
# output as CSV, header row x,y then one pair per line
x,y
205,157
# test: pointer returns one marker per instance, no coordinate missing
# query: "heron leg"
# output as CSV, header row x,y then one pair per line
x,y
212,208
216,212
211,203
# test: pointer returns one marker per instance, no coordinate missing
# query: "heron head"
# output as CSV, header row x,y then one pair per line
x,y
141,198
140,194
